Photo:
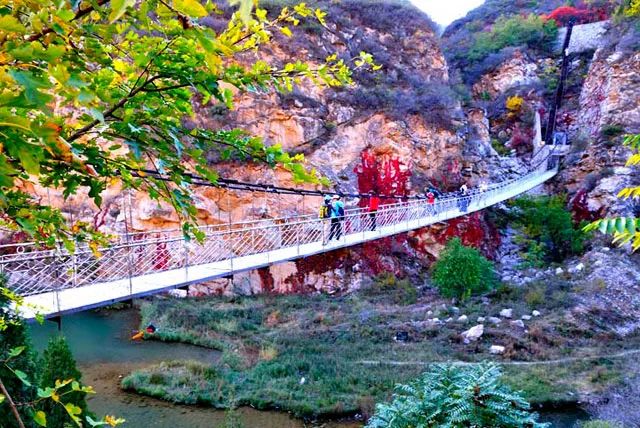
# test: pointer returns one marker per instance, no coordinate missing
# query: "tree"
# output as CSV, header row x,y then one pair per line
x,y
624,229
456,396
462,271
14,337
550,233
93,92
58,363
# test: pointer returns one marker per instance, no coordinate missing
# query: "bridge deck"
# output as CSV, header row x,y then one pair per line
x,y
78,284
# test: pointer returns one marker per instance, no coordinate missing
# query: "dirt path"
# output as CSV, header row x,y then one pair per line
x,y
508,363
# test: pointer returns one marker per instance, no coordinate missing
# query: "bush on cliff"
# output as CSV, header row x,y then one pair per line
x,y
462,271
549,228
448,396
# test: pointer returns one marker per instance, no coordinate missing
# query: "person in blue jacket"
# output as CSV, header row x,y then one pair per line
x,y
337,216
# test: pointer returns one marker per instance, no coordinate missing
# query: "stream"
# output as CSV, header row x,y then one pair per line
x,y
104,354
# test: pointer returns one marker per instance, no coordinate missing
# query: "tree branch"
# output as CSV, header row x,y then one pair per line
x,y
14,409
79,14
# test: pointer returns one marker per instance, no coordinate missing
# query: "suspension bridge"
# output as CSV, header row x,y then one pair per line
x,y
54,282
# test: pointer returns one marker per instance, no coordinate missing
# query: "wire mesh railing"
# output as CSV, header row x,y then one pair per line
x,y
31,270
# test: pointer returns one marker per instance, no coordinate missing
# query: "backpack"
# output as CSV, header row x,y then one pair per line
x,y
340,211
324,211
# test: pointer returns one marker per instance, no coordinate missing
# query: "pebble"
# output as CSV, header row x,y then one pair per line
x,y
481,319
526,317
463,318
559,271
506,313
536,313
518,323
495,320
448,319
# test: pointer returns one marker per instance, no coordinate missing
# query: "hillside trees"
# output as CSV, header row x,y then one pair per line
x,y
95,92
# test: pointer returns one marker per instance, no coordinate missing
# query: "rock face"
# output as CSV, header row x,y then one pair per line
x,y
519,70
394,129
610,93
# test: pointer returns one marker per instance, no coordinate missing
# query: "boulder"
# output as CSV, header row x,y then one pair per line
x,y
463,318
536,313
473,334
559,271
494,320
496,349
526,317
480,319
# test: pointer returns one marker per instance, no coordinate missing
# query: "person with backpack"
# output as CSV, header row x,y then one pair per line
x,y
337,216
325,214
431,200
374,203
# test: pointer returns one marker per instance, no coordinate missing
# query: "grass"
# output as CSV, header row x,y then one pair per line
x,y
305,353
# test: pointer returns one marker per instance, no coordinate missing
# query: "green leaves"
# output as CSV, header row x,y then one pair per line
x,y
118,8
40,418
10,24
191,8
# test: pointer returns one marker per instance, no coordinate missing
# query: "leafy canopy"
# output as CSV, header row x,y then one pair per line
x,y
96,92
455,396
462,271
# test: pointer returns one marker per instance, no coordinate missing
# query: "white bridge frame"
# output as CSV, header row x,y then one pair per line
x,y
56,282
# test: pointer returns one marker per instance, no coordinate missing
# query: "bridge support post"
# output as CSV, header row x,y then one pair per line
x,y
58,320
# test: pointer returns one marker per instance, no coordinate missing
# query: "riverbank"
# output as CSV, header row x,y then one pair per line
x,y
308,354
105,354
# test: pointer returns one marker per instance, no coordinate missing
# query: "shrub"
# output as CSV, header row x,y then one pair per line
x,y
455,396
531,31
500,148
564,14
549,226
386,285
514,104
612,130
58,363
462,271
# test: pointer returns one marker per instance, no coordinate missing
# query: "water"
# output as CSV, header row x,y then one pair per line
x,y
104,352
101,344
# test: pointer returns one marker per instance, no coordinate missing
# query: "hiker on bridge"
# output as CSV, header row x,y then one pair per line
x,y
463,202
431,201
374,203
325,215
337,216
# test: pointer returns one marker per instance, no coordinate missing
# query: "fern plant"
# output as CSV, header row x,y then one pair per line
x,y
449,396
624,229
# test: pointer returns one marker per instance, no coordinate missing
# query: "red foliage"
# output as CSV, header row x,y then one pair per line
x,y
386,175
474,231
580,208
521,140
266,280
564,14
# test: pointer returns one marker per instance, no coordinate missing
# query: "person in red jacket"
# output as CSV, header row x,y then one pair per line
x,y
431,200
374,203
